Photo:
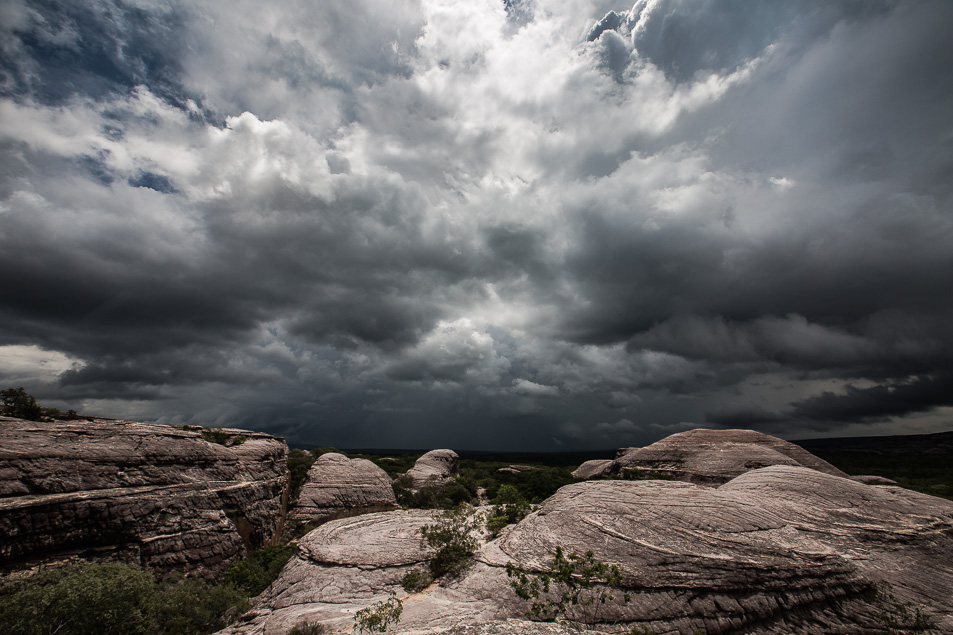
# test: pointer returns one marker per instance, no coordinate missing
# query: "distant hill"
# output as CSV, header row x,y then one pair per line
x,y
940,443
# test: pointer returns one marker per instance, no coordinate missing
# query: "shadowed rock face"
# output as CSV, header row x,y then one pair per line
x,y
709,457
783,549
146,494
438,465
337,486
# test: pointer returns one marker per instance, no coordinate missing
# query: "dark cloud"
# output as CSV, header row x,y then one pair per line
x,y
879,403
485,225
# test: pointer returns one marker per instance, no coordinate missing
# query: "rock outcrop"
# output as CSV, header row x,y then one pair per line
x,y
434,466
141,493
337,486
780,549
592,469
708,457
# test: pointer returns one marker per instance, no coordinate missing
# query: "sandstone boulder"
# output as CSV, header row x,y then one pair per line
x,y
781,549
146,494
709,457
434,466
592,469
337,486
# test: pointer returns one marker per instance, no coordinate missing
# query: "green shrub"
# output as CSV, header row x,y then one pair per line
x,y
191,605
114,598
574,588
308,628
216,435
299,462
379,616
416,580
256,572
454,536
510,507
238,440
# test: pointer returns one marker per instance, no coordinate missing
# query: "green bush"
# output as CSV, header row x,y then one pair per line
x,y
416,580
18,403
216,435
510,507
574,588
454,536
120,599
262,567
379,616
308,628
299,462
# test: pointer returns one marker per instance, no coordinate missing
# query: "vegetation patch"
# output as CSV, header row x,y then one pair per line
x,y
115,599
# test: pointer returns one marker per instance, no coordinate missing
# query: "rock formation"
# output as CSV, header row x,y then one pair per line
x,y
592,469
707,457
780,549
337,486
434,466
141,493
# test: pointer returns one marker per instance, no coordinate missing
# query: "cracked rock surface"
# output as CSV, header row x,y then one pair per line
x,y
337,486
780,549
146,494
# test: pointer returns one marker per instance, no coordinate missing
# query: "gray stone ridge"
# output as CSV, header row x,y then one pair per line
x,y
780,549
706,457
434,466
146,494
337,486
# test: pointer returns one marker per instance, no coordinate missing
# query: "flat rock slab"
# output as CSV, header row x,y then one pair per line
x,y
337,486
147,494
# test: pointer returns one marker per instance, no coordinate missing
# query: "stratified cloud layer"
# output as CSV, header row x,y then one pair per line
x,y
490,224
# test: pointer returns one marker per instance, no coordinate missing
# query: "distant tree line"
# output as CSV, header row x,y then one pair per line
x,y
17,402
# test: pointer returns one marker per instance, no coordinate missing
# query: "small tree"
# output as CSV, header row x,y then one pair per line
x,y
379,616
510,508
18,403
574,588
454,535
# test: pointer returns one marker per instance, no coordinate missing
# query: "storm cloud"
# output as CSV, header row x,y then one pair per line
x,y
491,224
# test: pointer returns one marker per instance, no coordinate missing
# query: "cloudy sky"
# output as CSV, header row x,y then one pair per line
x,y
480,224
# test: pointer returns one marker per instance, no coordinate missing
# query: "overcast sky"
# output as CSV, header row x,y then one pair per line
x,y
480,224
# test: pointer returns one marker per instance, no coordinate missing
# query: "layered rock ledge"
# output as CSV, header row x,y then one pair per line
x,y
706,457
337,486
781,549
140,493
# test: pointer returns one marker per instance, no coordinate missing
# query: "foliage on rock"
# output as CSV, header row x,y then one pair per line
x,y
416,580
378,617
509,507
898,617
573,588
454,535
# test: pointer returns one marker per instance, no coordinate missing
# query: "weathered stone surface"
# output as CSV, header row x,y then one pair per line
x,y
780,549
870,479
712,457
147,494
434,466
592,469
337,486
